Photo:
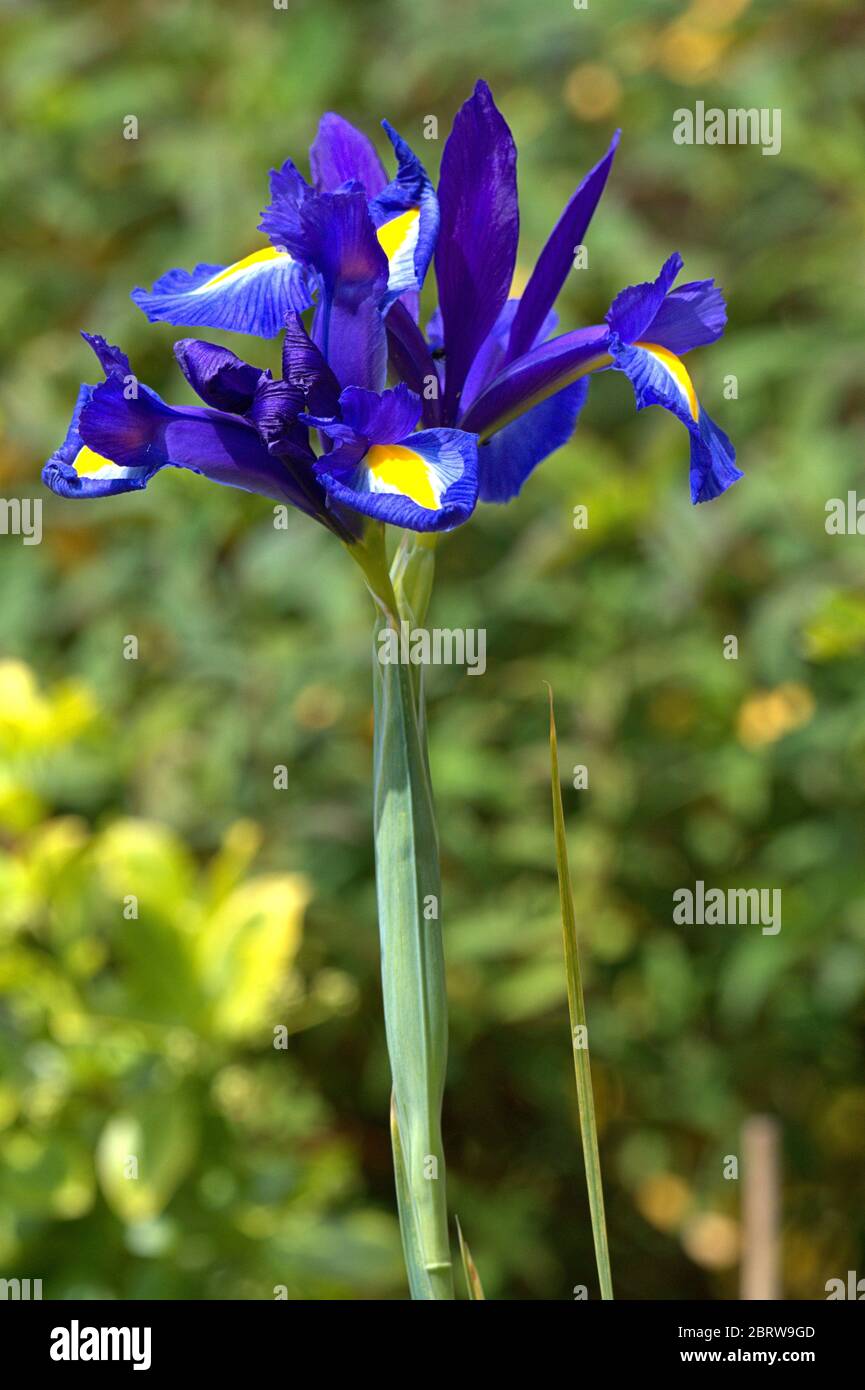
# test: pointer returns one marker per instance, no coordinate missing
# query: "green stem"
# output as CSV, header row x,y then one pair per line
x,y
409,895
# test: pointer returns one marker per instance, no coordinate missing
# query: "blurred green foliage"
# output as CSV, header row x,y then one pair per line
x,y
264,1166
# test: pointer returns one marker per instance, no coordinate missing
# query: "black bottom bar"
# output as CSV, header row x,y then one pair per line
x,y
85,1339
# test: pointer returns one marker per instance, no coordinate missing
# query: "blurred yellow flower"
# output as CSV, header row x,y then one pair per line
x,y
687,53
592,91
663,1200
30,719
768,715
714,14
712,1240
245,950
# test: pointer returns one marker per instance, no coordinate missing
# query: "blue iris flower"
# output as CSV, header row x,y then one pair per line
x,y
492,388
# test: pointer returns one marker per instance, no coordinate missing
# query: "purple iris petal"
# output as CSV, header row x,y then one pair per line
x,y
477,244
246,297
492,354
336,432
251,295
408,188
274,412
544,371
342,461
221,379
62,477
451,456
410,299
304,366
411,190
633,310
343,154
713,458
381,418
507,459
334,233
691,316
435,330
713,462
112,360
557,257
288,184
144,432
413,362
353,338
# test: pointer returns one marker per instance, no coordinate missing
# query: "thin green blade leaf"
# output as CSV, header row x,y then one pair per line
x,y
474,1286
579,1027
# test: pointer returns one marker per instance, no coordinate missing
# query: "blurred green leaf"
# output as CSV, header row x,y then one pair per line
x,y
144,1153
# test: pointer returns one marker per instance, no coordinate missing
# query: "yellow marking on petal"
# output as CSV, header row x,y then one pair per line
x,y
678,371
393,233
403,469
87,463
267,253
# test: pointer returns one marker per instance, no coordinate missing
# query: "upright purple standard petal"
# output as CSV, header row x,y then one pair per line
x,y
557,257
477,244
334,233
342,154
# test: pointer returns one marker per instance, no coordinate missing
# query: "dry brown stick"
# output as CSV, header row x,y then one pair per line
x,y
760,1266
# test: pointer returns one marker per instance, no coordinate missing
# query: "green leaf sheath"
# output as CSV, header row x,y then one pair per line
x,y
579,1028
408,891
412,968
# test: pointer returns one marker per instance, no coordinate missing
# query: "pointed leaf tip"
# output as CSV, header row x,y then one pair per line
x,y
474,1286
